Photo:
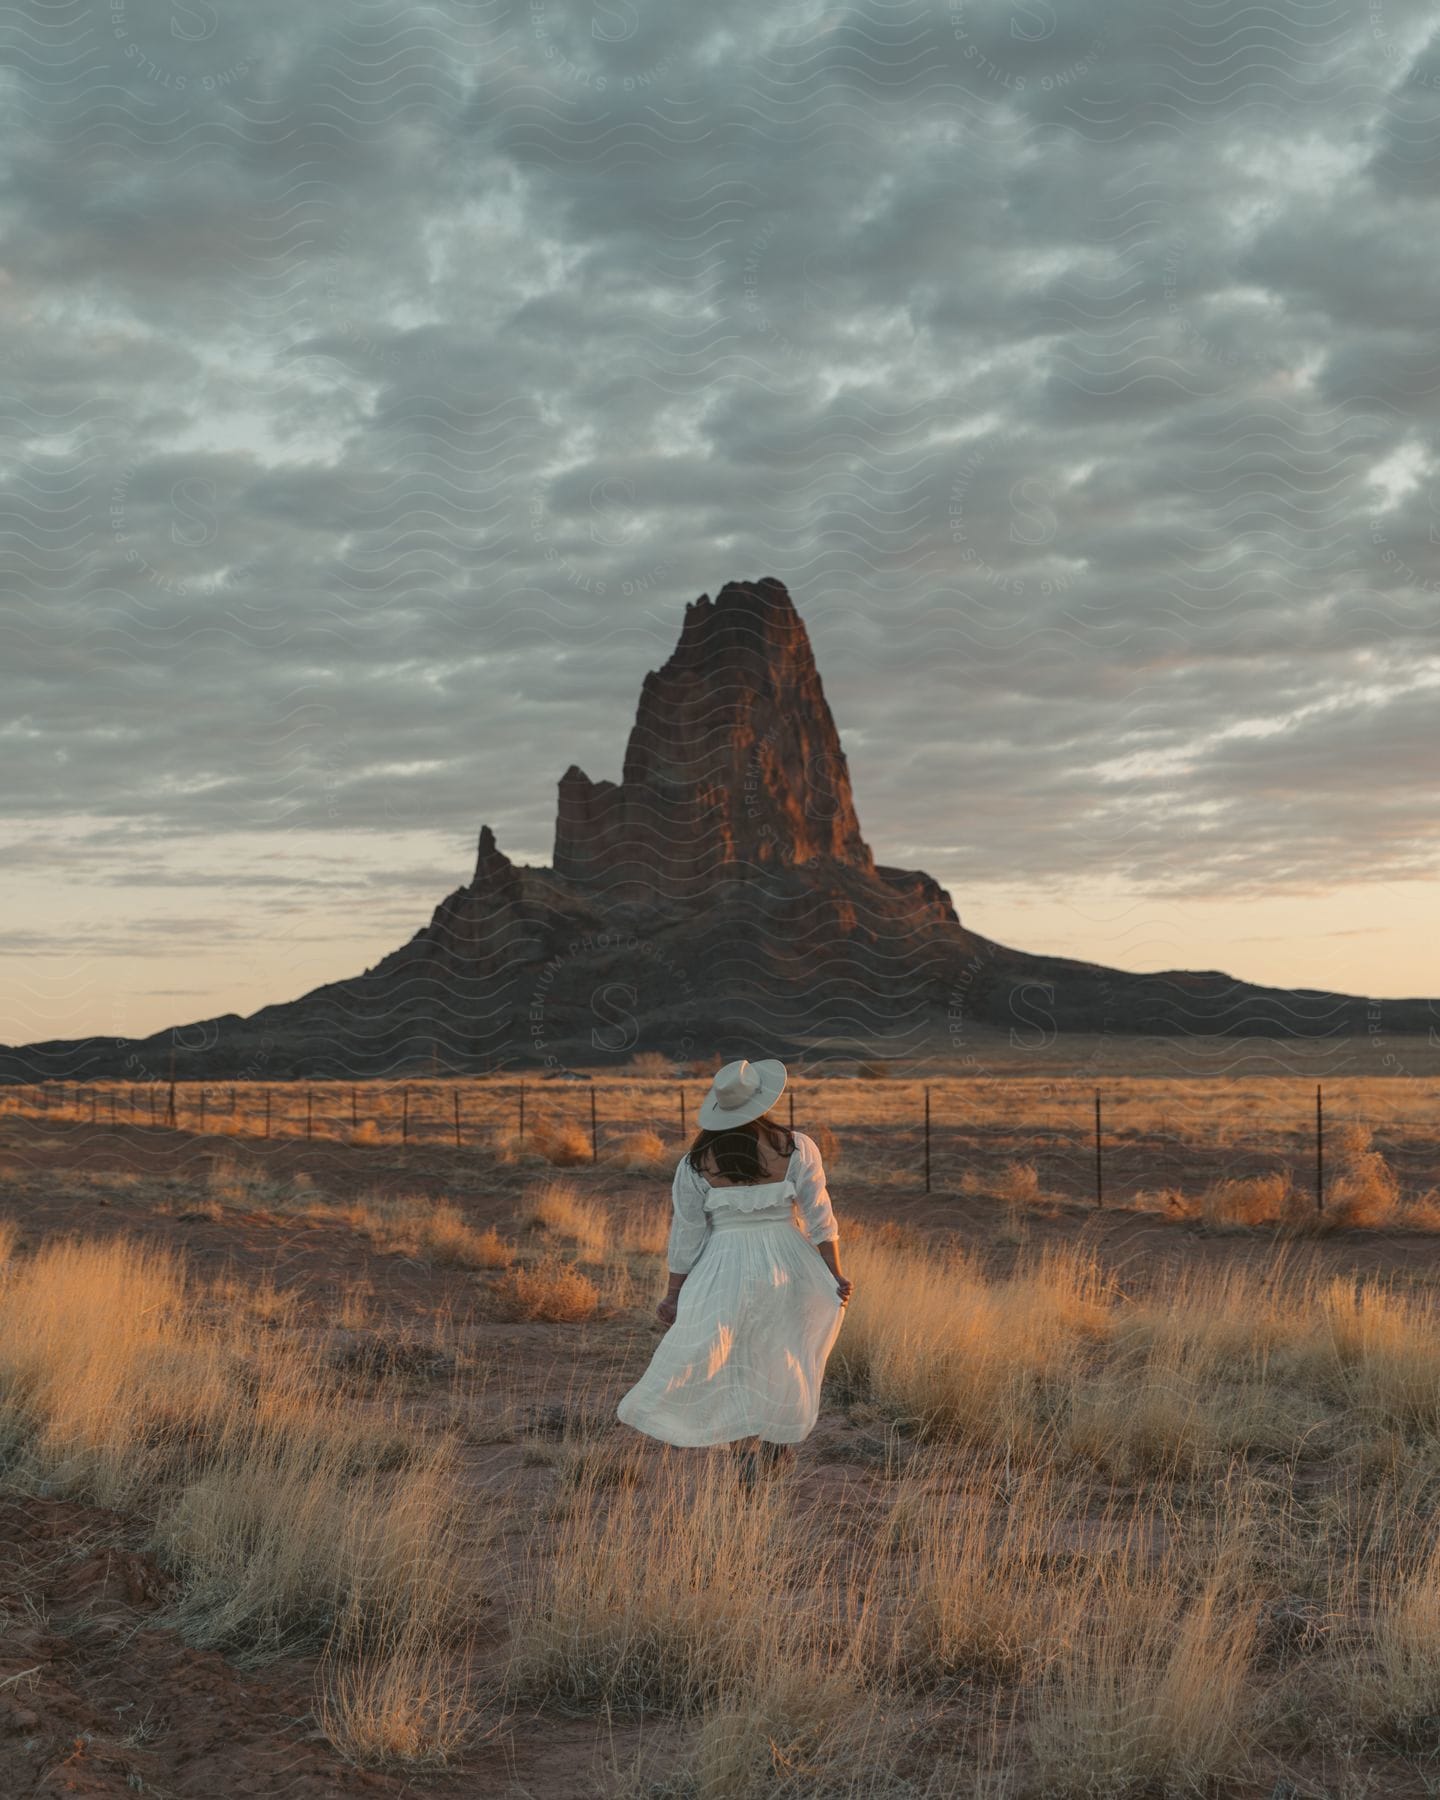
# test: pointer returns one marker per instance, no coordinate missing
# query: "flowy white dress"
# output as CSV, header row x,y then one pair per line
x,y
756,1317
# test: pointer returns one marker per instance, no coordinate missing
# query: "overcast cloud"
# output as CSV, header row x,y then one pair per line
x,y
381,383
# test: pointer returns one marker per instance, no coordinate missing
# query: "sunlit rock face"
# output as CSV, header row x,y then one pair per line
x,y
734,765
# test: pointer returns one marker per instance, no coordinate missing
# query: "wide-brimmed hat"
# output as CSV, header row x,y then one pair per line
x,y
742,1090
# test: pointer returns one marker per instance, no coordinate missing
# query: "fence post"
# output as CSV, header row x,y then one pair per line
x,y
594,1136
1319,1152
457,1118
1099,1189
927,1140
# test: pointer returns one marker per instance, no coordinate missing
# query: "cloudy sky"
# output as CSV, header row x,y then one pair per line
x,y
382,381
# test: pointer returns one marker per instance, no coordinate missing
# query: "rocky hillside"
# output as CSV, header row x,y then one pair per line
x,y
718,900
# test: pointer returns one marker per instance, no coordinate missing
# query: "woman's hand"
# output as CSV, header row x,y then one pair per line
x,y
843,1285
665,1311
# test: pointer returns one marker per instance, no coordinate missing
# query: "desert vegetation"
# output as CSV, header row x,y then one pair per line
x,y
1224,1152
1087,1514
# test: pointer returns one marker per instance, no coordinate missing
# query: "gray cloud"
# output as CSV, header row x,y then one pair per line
x,y
381,386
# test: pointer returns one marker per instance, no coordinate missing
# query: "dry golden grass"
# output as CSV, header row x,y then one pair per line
x,y
1154,1693
1018,1184
641,1153
1367,1193
566,1146
561,1209
644,1226
1244,1201
1131,1666
933,1341
778,1729
244,1183
417,1225
1165,1384
1362,1193
1025,1099
279,1507
400,1224
588,1630
1098,1495
1398,1690
549,1289
410,1702
984,1594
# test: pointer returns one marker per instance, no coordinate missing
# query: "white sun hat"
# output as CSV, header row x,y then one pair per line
x,y
740,1091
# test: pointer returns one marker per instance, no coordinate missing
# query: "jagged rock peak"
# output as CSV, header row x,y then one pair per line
x,y
746,614
494,871
733,764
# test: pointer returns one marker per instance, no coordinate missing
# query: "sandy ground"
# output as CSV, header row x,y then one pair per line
x,y
94,1699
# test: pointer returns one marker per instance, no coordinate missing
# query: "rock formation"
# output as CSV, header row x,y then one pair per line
x,y
718,900
733,765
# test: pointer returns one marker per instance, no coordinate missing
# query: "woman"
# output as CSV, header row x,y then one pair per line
x,y
754,1306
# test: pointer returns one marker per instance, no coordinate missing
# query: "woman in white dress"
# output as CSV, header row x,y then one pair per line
x,y
755,1304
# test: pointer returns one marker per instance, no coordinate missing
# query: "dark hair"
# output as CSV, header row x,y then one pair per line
x,y
736,1149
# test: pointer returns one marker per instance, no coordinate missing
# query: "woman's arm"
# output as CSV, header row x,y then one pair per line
x,y
688,1223
813,1198
688,1228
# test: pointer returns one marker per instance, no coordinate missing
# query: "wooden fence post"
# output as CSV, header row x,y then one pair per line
x,y
927,1140
1099,1189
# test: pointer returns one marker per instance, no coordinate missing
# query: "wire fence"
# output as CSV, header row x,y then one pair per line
x,y
1099,1144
